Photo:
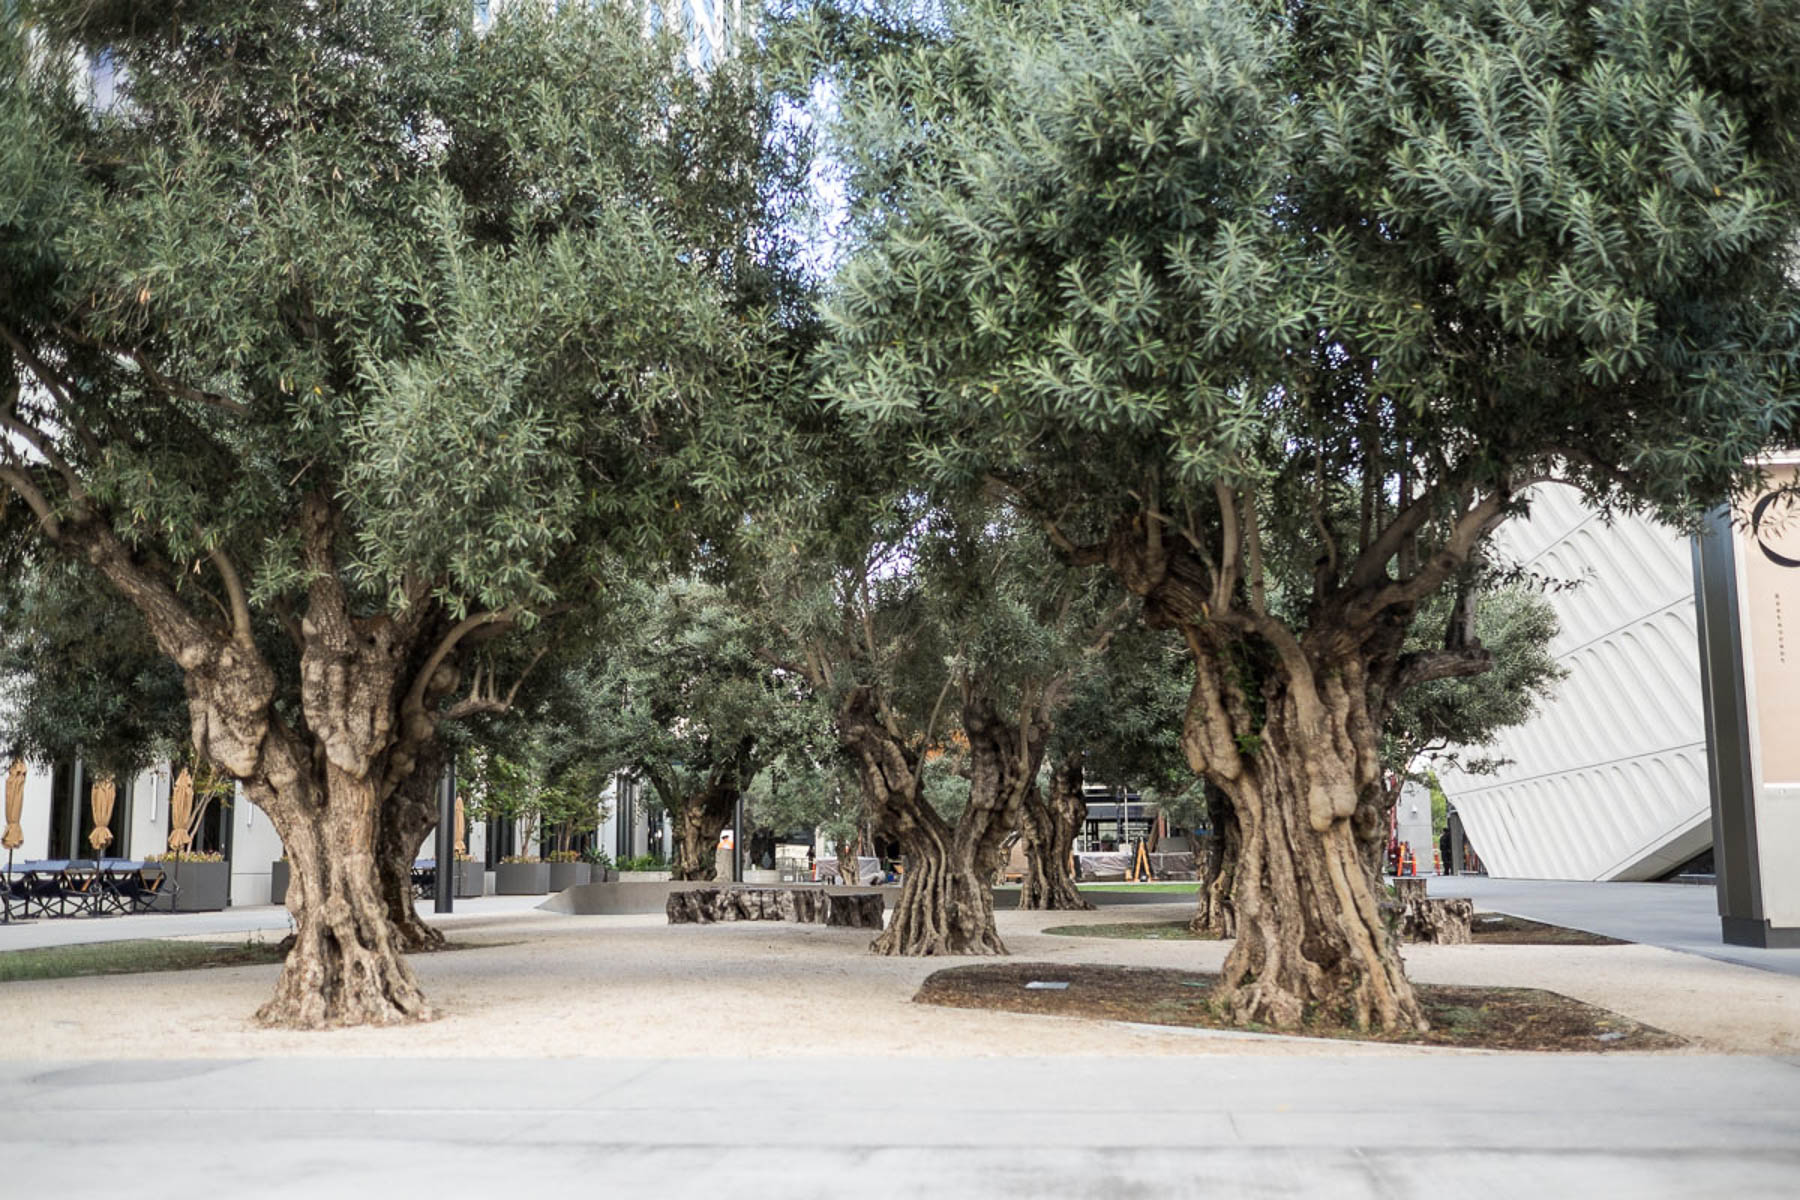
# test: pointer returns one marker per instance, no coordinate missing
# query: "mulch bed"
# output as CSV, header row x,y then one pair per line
x,y
1470,1017
1498,929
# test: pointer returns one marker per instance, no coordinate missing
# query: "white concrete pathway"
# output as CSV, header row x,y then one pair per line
x,y
1347,1128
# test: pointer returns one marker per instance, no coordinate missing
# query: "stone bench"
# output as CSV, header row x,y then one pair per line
x,y
705,905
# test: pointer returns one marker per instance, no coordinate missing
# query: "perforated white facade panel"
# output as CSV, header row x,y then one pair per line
x,y
1609,780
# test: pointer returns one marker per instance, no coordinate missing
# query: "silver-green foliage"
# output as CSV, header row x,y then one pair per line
x,y
507,299
1116,252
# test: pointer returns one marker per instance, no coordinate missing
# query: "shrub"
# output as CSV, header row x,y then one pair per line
x,y
644,862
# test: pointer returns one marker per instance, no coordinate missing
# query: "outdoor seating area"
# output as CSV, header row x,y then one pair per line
x,y
81,888
1091,866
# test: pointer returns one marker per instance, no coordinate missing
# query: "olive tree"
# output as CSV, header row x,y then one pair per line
x,y
682,694
1275,310
348,346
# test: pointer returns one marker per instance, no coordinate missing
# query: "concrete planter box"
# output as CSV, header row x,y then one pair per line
x,y
471,880
205,886
278,881
761,875
522,879
645,876
568,875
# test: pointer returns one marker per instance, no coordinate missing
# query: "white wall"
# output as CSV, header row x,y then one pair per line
x,y
34,822
1608,781
254,848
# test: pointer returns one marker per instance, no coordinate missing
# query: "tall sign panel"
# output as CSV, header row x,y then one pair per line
x,y
1747,592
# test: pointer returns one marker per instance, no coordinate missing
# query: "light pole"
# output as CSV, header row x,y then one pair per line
x,y
444,874
737,840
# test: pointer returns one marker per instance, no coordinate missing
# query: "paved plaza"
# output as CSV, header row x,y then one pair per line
x,y
616,1053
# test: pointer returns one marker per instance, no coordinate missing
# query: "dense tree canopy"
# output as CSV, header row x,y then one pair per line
x,y
682,695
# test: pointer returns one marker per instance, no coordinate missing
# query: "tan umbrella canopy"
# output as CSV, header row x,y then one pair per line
x,y
462,827
15,805
181,810
101,800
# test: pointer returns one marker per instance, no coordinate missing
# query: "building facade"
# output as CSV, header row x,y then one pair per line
x,y
1609,780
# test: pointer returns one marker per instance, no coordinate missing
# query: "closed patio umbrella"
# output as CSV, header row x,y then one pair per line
x,y
15,806
181,810
462,828
101,800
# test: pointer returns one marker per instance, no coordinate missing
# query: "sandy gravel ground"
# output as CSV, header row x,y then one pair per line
x,y
534,984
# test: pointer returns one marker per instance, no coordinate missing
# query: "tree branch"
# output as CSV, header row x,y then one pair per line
x,y
1424,666
491,703
1230,556
36,440
184,391
19,481
234,590
1467,532
415,695
1371,565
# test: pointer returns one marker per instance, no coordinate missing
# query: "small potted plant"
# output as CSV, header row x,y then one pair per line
x,y
522,875
567,870
193,880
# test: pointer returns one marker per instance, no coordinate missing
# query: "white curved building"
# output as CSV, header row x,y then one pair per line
x,y
1609,780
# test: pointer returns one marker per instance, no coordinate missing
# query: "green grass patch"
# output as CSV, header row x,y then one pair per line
x,y
135,957
1177,888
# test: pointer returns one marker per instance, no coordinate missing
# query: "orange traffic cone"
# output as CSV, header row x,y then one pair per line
x,y
1437,863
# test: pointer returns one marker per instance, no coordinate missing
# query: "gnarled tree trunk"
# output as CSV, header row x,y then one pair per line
x,y
1311,937
327,781
409,814
1048,826
946,903
699,820
1213,913
345,966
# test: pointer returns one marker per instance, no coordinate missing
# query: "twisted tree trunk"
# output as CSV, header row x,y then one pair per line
x,y
1048,827
338,780
1214,915
345,966
1285,722
1311,938
849,870
410,813
946,903
699,820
